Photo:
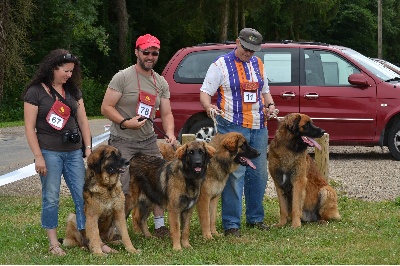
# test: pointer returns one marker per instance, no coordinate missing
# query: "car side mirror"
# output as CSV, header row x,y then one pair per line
x,y
358,80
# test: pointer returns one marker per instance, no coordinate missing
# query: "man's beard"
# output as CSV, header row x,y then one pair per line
x,y
143,66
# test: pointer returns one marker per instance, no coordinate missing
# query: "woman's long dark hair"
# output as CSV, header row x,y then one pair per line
x,y
53,61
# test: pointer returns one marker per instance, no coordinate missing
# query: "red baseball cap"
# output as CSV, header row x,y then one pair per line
x,y
146,41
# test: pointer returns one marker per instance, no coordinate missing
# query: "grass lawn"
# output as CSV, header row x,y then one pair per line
x,y
369,233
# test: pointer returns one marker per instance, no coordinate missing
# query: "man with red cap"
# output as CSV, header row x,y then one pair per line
x,y
131,100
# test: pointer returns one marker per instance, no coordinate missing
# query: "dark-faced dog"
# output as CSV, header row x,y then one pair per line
x,y
104,202
231,151
303,194
174,185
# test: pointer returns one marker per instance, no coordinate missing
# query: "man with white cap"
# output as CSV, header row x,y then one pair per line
x,y
133,94
241,83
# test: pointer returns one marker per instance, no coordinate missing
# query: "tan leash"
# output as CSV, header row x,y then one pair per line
x,y
213,115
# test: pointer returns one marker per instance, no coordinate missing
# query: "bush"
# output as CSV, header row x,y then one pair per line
x,y
12,105
93,93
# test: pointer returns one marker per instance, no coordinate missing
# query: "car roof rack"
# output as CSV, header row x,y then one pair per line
x,y
282,41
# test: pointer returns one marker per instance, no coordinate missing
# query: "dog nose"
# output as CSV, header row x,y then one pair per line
x,y
126,162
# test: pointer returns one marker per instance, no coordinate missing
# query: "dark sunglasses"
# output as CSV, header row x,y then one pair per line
x,y
245,49
148,53
69,56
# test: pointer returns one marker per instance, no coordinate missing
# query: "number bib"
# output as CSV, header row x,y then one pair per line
x,y
58,115
249,92
146,103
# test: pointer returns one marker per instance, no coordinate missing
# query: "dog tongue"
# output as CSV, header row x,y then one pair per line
x,y
197,169
311,142
249,162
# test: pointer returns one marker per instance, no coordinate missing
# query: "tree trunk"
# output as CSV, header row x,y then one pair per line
x,y
224,21
236,20
3,42
242,16
122,14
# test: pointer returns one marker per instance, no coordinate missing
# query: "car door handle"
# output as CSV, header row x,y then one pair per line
x,y
288,94
311,96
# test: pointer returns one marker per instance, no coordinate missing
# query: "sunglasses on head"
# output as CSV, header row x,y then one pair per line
x,y
148,53
245,49
69,56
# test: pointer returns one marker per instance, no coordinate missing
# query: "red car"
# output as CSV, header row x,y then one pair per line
x,y
355,100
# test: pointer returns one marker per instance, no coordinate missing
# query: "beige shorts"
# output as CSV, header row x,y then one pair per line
x,y
129,147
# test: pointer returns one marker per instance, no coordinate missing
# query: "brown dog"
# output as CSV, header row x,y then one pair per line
x,y
174,185
104,202
303,194
167,150
231,151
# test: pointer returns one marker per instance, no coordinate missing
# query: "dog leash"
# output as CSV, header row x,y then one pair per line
x,y
154,125
213,115
274,115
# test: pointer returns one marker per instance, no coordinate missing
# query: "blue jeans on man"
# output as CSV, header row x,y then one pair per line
x,y
250,181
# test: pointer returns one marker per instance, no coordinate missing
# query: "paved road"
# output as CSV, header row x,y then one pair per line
x,y
14,149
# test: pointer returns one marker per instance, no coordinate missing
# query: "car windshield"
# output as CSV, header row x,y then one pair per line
x,y
377,69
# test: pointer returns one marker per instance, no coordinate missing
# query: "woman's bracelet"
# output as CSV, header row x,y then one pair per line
x,y
88,147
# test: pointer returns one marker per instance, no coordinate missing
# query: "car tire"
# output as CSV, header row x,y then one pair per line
x,y
203,129
394,141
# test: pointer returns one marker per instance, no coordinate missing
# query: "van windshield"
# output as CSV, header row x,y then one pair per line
x,y
377,69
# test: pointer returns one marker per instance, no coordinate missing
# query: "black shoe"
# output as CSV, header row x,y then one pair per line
x,y
259,225
161,232
232,231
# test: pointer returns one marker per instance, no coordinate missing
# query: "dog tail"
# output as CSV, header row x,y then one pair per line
x,y
328,200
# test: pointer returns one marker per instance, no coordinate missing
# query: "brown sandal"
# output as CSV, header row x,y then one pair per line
x,y
57,250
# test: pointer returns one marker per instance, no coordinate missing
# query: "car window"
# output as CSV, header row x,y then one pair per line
x,y
325,68
194,66
378,70
278,66
281,65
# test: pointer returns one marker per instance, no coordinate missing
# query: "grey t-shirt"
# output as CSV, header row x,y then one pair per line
x,y
48,137
127,83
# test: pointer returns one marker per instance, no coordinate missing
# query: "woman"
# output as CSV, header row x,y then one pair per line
x,y
53,110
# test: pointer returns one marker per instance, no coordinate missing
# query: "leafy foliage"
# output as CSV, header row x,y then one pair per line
x,y
90,30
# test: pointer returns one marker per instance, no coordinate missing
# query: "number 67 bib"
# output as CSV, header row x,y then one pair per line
x,y
58,115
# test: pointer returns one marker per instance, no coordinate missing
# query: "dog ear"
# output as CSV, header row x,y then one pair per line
x,y
96,160
292,121
210,150
231,143
181,151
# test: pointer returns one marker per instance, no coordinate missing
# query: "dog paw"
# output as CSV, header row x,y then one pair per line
x,y
177,248
133,250
208,236
186,244
278,225
215,233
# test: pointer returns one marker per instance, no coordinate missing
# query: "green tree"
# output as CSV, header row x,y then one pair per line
x,y
14,17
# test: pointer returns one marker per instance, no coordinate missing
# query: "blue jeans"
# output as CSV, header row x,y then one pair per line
x,y
71,166
252,182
